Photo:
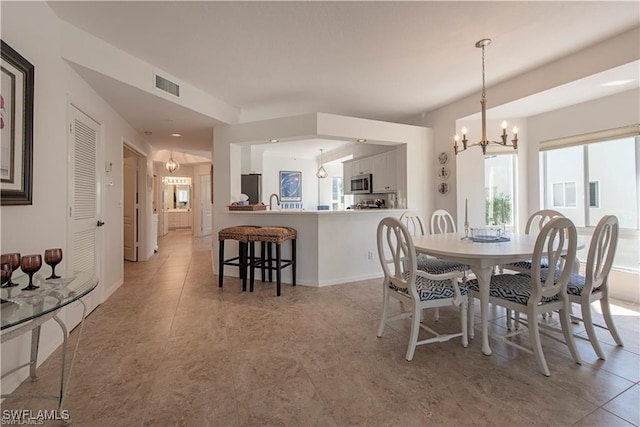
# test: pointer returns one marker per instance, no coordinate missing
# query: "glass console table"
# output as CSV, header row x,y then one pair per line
x,y
25,311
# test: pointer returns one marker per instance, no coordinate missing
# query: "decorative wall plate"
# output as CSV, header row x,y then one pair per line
x,y
443,188
443,172
443,158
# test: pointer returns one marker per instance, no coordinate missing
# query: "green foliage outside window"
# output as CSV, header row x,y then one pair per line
x,y
494,208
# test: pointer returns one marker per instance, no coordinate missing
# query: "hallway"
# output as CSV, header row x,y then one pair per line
x,y
169,348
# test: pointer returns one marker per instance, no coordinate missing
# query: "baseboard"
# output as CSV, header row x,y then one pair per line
x,y
111,290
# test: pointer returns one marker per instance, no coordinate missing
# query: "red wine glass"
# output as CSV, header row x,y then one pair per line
x,y
30,264
12,259
5,275
53,258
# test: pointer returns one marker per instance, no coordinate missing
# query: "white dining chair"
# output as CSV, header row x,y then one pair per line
x,y
594,285
441,221
536,221
533,294
418,289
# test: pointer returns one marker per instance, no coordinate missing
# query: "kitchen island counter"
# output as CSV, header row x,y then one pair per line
x,y
332,246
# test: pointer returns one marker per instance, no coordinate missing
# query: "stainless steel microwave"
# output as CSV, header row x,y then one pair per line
x,y
361,184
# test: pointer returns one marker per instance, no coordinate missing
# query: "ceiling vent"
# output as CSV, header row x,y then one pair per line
x,y
167,86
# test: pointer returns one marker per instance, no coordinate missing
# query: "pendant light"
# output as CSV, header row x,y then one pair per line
x,y
322,173
172,165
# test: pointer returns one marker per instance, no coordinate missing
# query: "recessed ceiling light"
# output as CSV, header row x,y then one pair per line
x,y
617,83
361,140
274,140
176,134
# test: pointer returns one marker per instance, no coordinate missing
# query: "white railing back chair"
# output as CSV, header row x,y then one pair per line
x,y
536,221
594,285
418,289
441,221
534,295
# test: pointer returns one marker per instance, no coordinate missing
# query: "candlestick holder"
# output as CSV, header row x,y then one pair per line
x,y
466,231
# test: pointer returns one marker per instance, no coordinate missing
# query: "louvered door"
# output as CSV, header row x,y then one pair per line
x,y
84,205
84,194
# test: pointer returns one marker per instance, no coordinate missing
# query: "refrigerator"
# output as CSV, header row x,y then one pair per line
x,y
251,185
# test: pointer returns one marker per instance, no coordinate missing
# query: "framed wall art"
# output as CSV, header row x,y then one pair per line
x,y
290,186
16,128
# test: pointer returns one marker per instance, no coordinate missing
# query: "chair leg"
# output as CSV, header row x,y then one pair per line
x,y
509,323
436,314
470,318
385,310
293,260
608,319
415,328
220,263
252,256
262,257
463,321
278,268
568,335
242,249
269,261
587,320
536,345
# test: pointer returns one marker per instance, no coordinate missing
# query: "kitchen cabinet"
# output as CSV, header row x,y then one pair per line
x,y
179,219
357,167
384,169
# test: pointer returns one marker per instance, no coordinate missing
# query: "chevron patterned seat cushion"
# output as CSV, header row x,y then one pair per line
x,y
511,287
439,266
526,265
575,285
432,289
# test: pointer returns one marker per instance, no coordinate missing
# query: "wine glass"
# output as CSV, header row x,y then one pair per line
x,y
53,258
30,264
12,259
5,275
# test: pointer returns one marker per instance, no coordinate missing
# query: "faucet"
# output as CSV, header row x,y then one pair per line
x,y
271,200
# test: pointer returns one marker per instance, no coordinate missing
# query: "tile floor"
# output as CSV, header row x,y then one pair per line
x,y
171,349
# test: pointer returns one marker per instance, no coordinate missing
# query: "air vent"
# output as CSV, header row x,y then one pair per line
x,y
167,86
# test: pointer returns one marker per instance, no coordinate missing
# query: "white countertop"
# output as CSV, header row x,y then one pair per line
x,y
316,212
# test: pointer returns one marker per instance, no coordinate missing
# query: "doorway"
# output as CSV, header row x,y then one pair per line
x,y
131,204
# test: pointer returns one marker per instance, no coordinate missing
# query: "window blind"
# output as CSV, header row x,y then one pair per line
x,y
588,138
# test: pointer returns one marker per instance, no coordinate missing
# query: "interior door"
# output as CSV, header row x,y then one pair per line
x,y
205,205
130,205
84,199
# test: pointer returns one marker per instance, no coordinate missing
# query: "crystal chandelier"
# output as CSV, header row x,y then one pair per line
x,y
483,102
172,165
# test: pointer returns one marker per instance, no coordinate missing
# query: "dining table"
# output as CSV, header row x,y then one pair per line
x,y
481,257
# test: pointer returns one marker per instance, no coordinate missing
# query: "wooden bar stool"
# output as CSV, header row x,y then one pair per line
x,y
272,236
239,233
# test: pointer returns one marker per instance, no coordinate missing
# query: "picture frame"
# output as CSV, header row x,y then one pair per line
x,y
290,186
16,128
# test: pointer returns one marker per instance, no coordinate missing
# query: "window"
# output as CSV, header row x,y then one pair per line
x,y
594,194
564,195
596,178
338,198
499,172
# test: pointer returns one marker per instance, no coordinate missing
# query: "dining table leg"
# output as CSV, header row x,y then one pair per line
x,y
484,280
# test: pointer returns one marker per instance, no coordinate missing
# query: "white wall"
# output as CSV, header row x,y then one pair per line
x,y
272,164
34,31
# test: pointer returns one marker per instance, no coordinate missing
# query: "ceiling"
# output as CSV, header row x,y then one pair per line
x,y
377,60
